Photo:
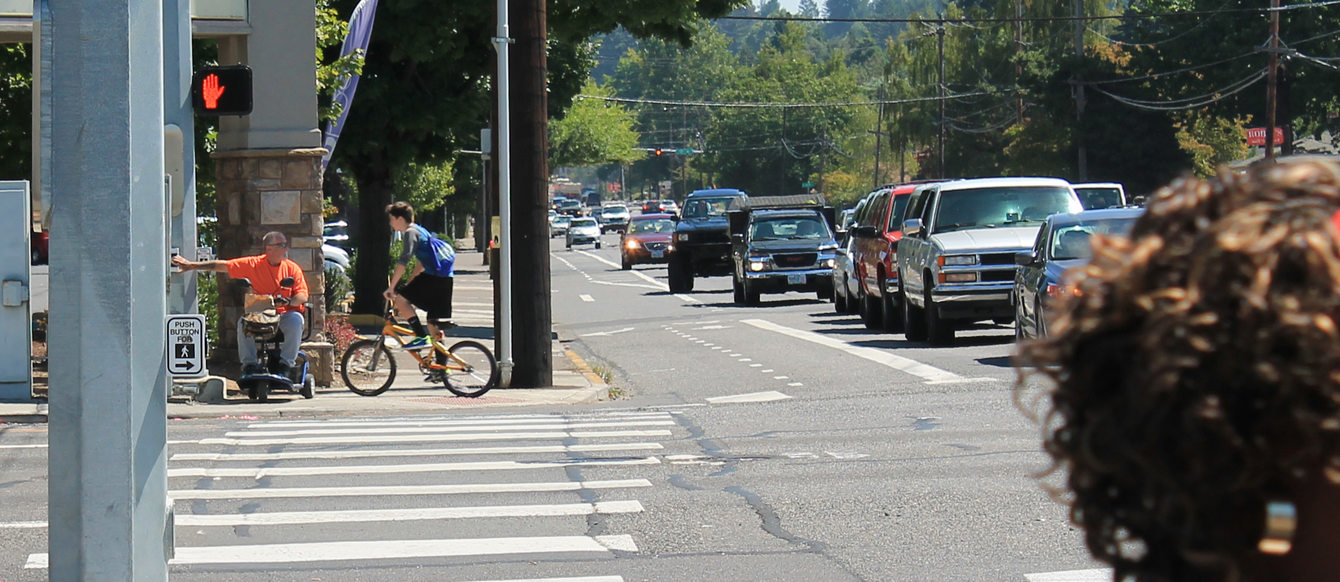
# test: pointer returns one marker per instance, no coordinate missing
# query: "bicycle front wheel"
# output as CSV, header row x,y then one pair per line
x,y
367,367
471,370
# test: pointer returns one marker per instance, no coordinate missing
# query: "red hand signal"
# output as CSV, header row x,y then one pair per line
x,y
212,91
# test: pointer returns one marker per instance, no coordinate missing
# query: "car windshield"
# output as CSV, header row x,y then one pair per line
x,y
1072,241
569,203
583,222
615,210
562,219
788,227
656,225
1094,198
1002,206
896,217
704,207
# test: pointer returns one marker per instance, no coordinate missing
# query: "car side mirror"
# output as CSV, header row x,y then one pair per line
x,y
1025,258
737,238
913,227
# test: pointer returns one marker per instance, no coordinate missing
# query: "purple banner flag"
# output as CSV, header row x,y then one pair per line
x,y
360,31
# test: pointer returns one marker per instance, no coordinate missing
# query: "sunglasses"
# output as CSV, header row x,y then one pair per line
x,y
282,245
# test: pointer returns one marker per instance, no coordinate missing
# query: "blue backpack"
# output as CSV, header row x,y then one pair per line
x,y
435,254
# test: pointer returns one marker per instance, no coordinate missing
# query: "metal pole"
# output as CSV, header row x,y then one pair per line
x,y
940,142
1272,79
504,141
1081,151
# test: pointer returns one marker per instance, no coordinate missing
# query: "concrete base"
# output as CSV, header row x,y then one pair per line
x,y
205,389
321,361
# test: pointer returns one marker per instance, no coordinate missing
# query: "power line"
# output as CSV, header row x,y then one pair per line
x,y
965,20
1189,102
779,105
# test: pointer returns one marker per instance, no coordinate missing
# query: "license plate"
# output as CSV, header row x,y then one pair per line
x,y
795,279
657,254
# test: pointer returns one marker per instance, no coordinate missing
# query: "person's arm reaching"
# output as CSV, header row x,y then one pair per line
x,y
185,265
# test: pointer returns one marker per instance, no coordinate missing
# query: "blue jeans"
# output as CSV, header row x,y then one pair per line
x,y
291,323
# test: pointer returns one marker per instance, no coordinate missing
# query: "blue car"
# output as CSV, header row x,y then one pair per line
x,y
1062,244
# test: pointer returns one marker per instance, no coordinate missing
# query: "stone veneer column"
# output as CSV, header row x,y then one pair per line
x,y
259,191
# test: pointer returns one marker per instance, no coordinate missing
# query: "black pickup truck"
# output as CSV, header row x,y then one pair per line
x,y
780,244
702,239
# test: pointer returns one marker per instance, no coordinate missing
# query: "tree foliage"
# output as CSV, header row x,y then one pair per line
x,y
593,132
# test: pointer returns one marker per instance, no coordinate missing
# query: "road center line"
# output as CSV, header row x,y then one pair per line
x,y
926,372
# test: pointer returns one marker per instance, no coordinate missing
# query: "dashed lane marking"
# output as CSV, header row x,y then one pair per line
x,y
1095,575
927,372
769,396
587,298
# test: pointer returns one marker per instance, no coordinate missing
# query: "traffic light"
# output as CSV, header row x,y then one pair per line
x,y
658,151
222,90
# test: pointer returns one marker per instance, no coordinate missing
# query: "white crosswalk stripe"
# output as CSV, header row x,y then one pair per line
x,y
291,471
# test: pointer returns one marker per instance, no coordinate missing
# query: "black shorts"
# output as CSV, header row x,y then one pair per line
x,y
430,293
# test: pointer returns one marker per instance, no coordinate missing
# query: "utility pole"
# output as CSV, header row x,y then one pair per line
x,y
1082,151
940,141
533,326
1018,64
1272,78
879,125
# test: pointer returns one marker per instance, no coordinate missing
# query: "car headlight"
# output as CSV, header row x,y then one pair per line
x,y
631,244
957,260
756,265
830,263
682,236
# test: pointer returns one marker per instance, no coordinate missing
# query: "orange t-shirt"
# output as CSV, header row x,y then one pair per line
x,y
265,277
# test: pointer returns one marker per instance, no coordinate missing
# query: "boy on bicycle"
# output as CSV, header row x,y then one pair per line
x,y
430,283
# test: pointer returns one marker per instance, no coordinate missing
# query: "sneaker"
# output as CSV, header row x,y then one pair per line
x,y
435,377
418,342
252,369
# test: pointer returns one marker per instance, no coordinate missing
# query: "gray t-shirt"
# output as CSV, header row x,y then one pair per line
x,y
409,241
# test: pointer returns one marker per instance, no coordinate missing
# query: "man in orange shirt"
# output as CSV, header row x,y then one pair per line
x,y
265,271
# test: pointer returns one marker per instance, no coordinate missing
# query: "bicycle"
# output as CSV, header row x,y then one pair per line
x,y
368,367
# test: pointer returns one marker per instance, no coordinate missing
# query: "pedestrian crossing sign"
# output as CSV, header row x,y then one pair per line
x,y
186,345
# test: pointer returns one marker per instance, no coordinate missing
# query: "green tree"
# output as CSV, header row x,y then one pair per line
x,y
594,131
16,105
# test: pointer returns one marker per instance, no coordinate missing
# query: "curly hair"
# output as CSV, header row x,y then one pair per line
x,y
1194,371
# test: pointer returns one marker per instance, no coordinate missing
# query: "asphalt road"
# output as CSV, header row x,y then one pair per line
x,y
780,442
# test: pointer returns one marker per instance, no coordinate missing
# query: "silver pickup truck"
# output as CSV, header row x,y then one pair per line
x,y
956,257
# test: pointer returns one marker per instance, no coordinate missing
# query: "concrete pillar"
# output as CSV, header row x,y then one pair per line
x,y
258,191
179,157
109,516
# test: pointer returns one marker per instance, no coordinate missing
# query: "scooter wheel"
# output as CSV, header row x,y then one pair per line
x,y
308,389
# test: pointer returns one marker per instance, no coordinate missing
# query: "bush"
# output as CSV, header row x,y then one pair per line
x,y
339,290
340,333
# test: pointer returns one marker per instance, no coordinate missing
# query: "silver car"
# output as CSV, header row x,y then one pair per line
x,y
583,231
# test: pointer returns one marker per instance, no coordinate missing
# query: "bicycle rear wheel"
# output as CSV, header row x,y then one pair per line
x,y
480,373
367,367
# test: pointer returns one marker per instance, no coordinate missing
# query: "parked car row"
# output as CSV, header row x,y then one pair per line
x,y
928,259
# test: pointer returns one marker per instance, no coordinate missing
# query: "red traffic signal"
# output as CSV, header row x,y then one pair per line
x,y
222,90
658,151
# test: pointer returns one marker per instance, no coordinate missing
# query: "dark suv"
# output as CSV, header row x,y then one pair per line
x,y
780,244
702,237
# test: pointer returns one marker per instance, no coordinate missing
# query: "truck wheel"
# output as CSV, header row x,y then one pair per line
x,y
914,323
870,312
938,331
825,290
751,293
840,296
679,273
893,316
737,290
627,263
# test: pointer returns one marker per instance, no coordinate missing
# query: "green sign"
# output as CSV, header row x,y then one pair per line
x,y
684,151
807,184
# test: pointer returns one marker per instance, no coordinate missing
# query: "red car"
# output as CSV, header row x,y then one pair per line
x,y
875,257
39,246
647,239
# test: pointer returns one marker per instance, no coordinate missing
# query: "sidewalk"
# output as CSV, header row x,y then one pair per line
x,y
574,381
